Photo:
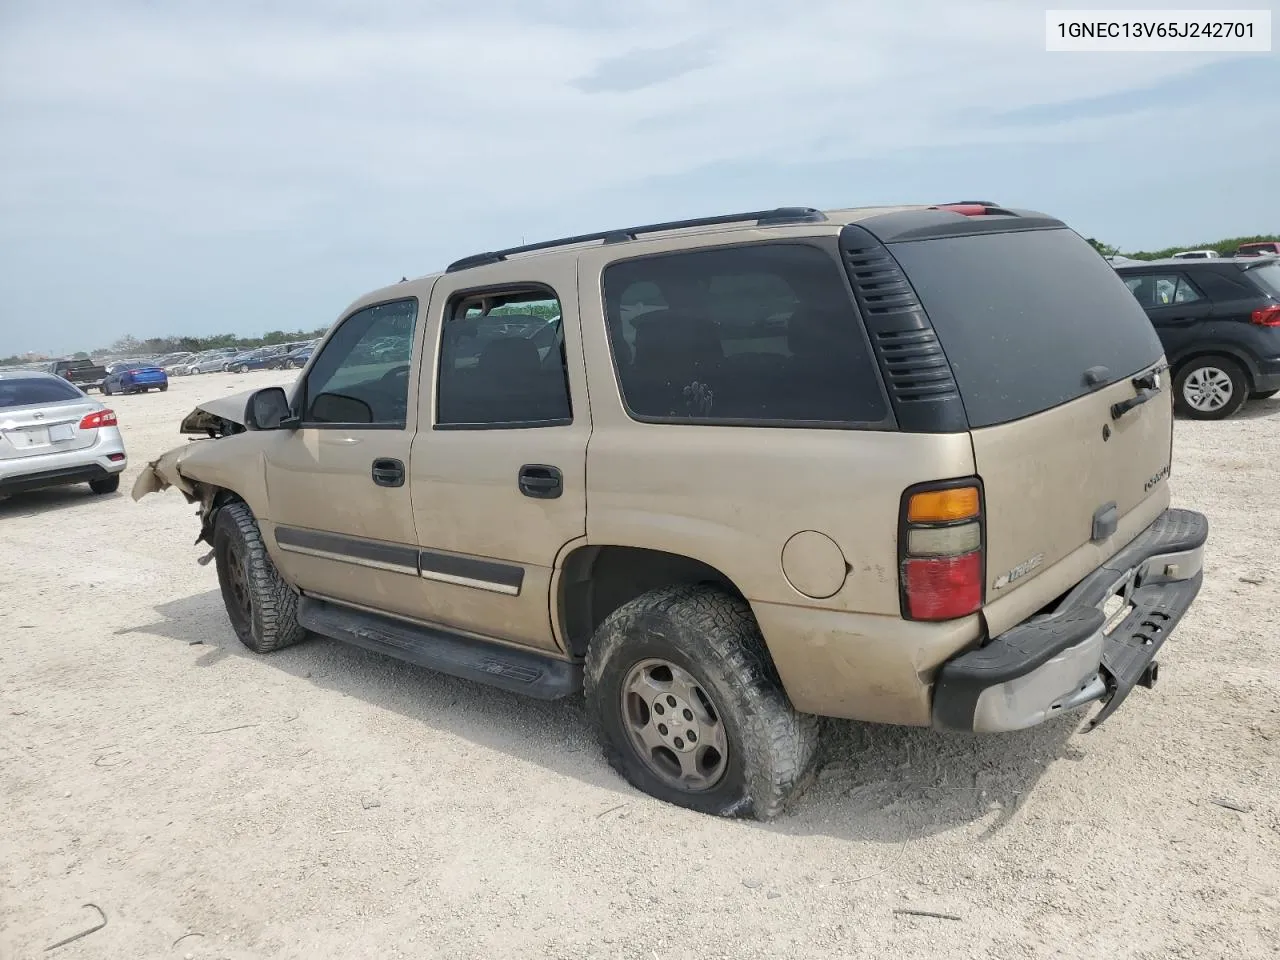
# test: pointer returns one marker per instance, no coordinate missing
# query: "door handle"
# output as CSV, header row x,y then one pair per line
x,y
540,481
388,472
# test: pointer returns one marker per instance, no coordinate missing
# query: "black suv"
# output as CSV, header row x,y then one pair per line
x,y
1219,321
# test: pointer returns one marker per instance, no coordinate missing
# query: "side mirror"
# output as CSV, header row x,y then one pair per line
x,y
339,408
267,409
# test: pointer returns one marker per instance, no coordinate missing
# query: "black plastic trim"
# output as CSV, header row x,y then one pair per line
x,y
763,218
375,551
471,568
922,389
482,661
53,478
1020,650
904,526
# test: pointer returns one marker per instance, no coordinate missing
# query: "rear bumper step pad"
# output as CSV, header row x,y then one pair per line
x,y
1079,653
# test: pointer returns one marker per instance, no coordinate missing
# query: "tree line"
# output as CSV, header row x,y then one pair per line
x,y
1225,248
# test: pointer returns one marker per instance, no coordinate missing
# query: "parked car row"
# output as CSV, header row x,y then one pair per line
x,y
1219,321
284,356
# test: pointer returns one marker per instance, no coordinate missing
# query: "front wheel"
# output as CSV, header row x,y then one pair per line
x,y
1210,388
263,609
690,708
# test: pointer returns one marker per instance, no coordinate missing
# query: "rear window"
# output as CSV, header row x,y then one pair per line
x,y
27,391
1022,316
761,334
1267,277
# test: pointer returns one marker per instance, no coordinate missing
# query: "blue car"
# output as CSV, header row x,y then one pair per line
x,y
135,378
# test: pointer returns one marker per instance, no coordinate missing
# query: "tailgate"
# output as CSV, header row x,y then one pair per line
x,y
1042,509
1044,339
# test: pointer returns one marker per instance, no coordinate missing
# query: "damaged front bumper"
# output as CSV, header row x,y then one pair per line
x,y
1098,643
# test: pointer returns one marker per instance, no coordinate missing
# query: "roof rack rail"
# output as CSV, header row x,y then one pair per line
x,y
763,218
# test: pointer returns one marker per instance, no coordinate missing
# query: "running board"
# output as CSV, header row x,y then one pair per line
x,y
519,671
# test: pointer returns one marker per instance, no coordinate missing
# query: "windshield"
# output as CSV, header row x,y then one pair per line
x,y
28,391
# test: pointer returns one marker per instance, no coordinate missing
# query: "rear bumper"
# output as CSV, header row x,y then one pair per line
x,y
1096,645
60,469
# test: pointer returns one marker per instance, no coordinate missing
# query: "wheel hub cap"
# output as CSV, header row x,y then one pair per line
x,y
673,725
1208,389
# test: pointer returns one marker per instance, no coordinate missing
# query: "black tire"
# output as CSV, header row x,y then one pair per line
x,y
712,636
1263,394
263,609
1215,368
163,387
106,392
106,485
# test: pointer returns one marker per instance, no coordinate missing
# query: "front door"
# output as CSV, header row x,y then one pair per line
x,y
341,519
499,466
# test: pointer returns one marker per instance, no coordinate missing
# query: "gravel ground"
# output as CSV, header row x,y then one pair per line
x,y
323,802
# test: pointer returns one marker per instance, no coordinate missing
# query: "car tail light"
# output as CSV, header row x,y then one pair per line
x,y
1267,316
103,418
941,551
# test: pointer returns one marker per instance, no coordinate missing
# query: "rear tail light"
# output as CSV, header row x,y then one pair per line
x,y
103,418
1267,316
941,551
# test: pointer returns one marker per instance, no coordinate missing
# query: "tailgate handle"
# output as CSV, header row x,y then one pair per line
x,y
1118,410
1105,521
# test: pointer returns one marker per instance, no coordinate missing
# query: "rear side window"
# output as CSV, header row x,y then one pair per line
x,y
1022,316
763,334
1160,290
1267,277
27,391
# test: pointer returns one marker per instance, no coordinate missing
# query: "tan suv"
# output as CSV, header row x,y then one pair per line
x,y
905,465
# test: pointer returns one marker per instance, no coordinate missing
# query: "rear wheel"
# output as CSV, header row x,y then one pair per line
x,y
1210,388
690,708
261,606
106,485
164,387
1263,394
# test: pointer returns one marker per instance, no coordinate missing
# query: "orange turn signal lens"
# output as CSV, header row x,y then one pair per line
x,y
943,506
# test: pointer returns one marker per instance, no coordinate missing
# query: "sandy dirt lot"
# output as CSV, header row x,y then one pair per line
x,y
328,803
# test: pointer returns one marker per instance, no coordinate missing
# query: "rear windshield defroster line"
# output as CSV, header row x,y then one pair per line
x,y
1022,315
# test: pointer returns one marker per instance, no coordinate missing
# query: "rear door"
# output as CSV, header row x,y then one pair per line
x,y
1044,338
1177,306
499,467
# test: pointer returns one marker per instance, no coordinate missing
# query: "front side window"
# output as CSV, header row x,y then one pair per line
x,y
760,334
503,362
362,374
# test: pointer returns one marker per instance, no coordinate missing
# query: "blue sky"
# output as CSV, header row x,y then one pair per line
x,y
200,167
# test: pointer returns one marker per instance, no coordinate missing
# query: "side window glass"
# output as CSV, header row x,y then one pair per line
x,y
502,362
362,374
1143,289
1165,289
761,334
1185,292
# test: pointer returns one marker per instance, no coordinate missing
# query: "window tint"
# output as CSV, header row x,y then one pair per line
x,y
1267,277
1162,290
765,333
502,362
362,374
23,391
1022,315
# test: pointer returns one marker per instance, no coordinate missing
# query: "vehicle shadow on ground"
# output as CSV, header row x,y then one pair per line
x,y
874,783
33,503
1257,409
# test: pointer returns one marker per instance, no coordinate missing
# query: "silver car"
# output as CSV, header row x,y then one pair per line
x,y
53,434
